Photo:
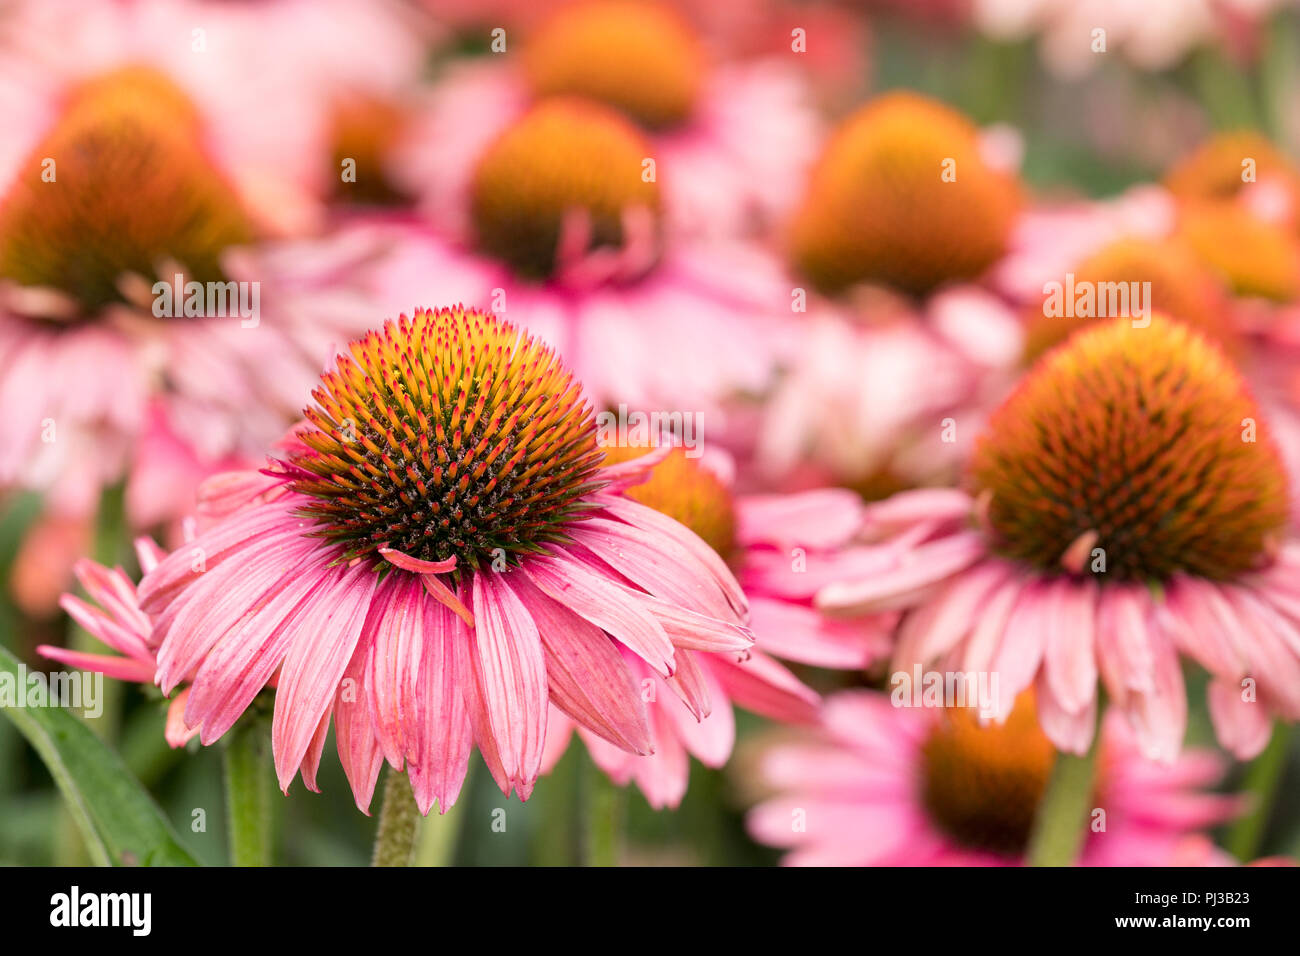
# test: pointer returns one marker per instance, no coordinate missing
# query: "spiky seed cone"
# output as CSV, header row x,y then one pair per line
x,y
1181,288
685,490
982,783
878,209
133,188
448,434
563,155
636,56
1134,441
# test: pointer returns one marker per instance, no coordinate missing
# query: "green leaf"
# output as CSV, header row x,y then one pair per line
x,y
121,823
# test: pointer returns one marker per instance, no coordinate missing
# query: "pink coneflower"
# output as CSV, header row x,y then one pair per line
x,y
1126,504
415,569
565,227
730,140
778,546
879,785
906,340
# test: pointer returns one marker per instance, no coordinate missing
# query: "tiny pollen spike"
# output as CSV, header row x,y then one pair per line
x,y
447,440
1144,442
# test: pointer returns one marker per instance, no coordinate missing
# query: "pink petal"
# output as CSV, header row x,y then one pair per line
x,y
586,674
313,667
512,676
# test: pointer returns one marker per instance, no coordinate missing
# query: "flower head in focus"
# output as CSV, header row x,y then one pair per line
x,y
419,569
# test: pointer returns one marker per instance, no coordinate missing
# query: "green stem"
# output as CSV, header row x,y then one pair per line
x,y
1062,821
247,765
399,820
605,811
1262,782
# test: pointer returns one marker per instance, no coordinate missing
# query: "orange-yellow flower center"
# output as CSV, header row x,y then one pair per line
x,y
686,491
365,129
1144,443
565,165
902,196
981,784
120,185
1181,288
448,434
639,57
1255,257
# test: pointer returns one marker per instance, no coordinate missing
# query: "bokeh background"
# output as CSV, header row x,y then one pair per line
x,y
1085,125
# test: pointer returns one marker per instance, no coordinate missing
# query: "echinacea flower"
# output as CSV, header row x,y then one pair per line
x,y
1239,209
776,546
730,140
1127,504
907,206
903,194
880,785
439,556
564,225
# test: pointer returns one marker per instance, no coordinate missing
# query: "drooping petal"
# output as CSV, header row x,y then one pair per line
x,y
585,672
512,676
313,667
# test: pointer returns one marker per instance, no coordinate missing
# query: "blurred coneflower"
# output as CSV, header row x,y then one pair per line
x,y
905,194
730,140
565,225
880,785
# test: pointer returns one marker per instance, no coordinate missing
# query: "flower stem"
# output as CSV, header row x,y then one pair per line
x,y
247,764
399,822
1062,821
604,811
1262,782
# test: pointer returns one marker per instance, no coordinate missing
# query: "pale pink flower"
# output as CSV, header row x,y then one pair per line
x,y
437,558
898,378
268,77
881,785
1114,523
